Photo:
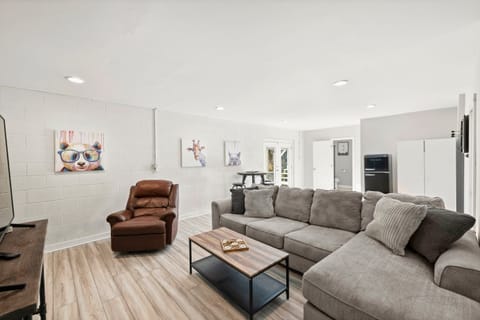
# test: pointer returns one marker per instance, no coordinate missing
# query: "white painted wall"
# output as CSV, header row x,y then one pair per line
x,y
381,135
77,204
477,141
326,134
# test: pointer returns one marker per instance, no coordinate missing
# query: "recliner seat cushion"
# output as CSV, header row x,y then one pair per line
x,y
272,231
139,226
294,203
149,212
337,209
365,280
236,222
315,242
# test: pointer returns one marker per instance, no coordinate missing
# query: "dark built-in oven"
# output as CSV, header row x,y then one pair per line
x,y
377,173
377,162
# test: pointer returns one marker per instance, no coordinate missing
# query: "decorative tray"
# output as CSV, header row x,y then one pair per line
x,y
229,245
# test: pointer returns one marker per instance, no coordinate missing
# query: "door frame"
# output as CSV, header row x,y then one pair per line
x,y
279,143
354,160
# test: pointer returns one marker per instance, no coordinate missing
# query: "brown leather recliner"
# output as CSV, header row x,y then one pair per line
x,y
150,220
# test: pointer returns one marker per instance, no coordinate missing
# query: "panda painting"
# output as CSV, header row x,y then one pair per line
x,y
78,151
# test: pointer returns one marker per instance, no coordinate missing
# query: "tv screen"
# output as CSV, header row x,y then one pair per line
x,y
6,200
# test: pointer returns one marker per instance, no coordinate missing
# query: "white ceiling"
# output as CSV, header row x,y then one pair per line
x,y
263,61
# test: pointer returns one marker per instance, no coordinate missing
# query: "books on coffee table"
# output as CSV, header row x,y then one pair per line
x,y
233,245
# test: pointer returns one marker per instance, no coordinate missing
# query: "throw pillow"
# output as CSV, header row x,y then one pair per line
x,y
238,201
394,223
259,203
438,231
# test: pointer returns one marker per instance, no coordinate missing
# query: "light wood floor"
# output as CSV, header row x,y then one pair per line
x,y
91,282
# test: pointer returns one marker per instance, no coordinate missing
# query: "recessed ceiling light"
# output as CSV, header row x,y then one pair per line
x,y
284,121
75,79
219,108
371,106
340,83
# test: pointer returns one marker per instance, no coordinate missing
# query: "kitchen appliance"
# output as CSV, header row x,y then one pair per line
x,y
378,172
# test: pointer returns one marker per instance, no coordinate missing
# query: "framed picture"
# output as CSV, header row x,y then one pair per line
x,y
233,154
194,153
78,151
343,147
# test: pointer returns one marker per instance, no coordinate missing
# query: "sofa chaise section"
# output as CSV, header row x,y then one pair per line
x,y
313,243
363,280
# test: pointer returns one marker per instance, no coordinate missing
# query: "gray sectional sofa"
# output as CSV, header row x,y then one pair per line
x,y
348,275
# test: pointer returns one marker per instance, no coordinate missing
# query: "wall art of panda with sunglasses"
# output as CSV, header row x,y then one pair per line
x,y
80,157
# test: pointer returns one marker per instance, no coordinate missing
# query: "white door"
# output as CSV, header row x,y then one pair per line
x,y
411,167
279,162
323,170
440,170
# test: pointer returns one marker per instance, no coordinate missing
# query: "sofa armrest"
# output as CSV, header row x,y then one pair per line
x,y
458,268
220,207
119,216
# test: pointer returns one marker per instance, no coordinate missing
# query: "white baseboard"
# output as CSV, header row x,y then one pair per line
x,y
100,236
76,242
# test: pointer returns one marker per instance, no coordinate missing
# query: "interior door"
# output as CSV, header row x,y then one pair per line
x,y
411,167
323,169
279,162
440,170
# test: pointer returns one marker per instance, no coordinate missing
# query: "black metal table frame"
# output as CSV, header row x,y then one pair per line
x,y
253,175
250,310
42,307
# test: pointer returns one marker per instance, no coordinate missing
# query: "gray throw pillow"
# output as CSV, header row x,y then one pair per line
x,y
394,223
259,203
438,231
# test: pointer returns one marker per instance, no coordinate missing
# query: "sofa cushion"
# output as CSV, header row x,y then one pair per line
x,y
272,231
458,269
315,242
395,222
236,222
294,203
337,209
371,198
432,202
438,231
365,280
259,203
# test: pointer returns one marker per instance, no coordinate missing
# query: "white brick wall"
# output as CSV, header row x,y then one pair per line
x,y
77,204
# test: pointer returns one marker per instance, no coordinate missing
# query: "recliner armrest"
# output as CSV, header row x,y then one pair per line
x,y
119,216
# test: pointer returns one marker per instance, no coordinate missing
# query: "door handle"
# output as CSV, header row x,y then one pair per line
x,y
369,174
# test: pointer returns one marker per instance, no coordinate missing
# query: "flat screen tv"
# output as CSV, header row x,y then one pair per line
x,y
6,199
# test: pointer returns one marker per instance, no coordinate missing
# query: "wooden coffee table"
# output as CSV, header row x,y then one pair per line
x,y
240,275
